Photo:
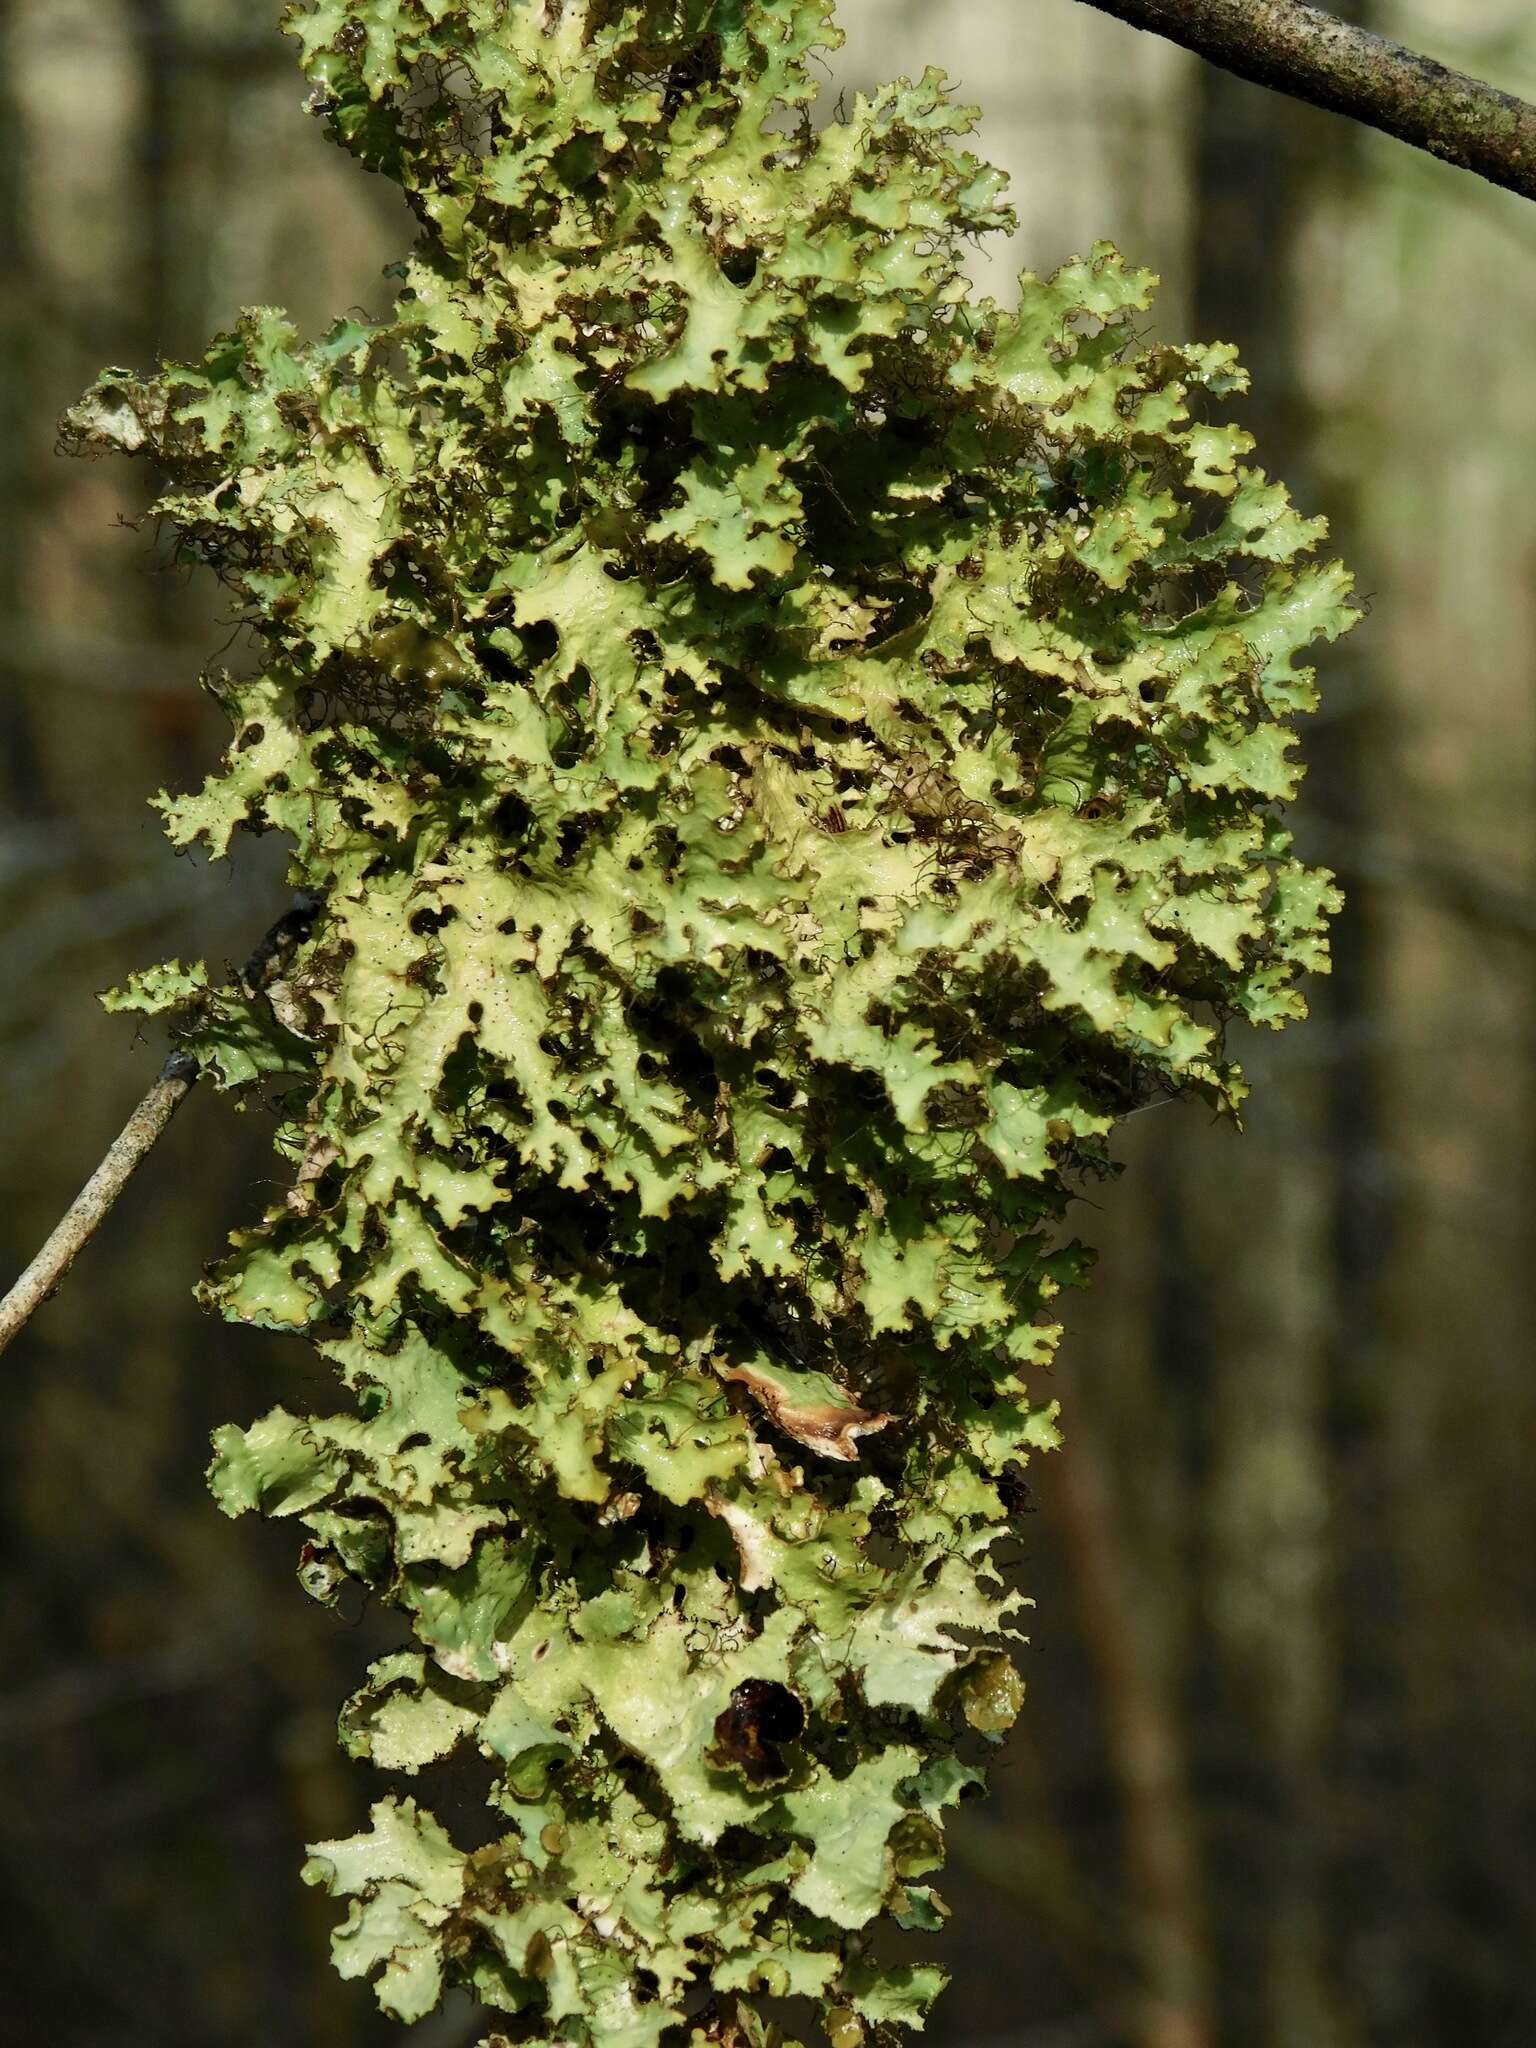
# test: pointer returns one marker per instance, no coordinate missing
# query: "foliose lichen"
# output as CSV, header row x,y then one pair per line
x,y
781,756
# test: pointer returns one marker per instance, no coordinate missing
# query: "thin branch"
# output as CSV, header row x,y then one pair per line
x,y
142,1132
140,1135
1313,56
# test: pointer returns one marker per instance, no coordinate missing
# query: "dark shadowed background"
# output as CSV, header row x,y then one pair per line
x,y
1275,1785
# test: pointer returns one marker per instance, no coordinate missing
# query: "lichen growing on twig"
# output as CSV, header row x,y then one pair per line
x,y
784,755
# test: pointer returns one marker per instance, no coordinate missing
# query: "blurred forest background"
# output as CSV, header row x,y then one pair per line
x,y
1276,1783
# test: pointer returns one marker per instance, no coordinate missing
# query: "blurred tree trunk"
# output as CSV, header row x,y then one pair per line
x,y
1257,1225
1440,1751
18,332
1146,1738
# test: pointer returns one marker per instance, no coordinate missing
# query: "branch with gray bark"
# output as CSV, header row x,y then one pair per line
x,y
1313,56
91,1207
138,1138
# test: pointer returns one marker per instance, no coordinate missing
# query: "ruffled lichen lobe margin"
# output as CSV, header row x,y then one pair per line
x,y
783,756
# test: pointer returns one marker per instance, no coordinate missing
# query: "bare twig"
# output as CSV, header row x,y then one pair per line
x,y
142,1132
1313,56
140,1135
